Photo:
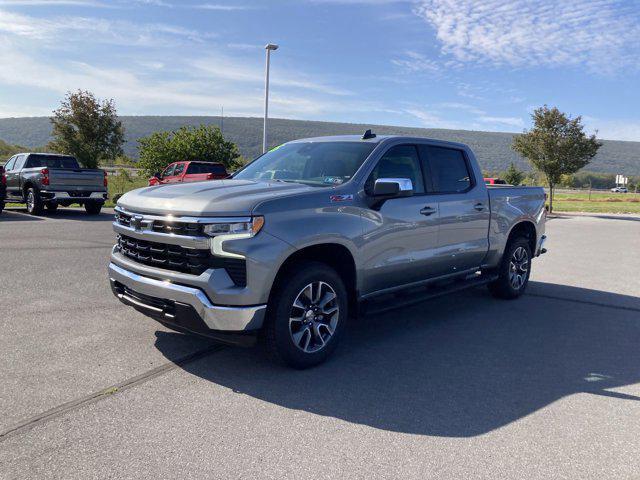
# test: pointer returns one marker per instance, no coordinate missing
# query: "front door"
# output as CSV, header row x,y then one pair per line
x,y
401,236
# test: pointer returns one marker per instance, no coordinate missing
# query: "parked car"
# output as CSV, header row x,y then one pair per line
x,y
189,172
620,190
494,181
3,187
49,180
352,222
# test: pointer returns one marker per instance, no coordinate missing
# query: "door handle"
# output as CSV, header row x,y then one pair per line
x,y
479,207
427,211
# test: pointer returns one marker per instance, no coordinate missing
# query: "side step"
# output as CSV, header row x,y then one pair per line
x,y
404,298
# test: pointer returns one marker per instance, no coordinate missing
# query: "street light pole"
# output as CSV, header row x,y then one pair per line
x,y
269,47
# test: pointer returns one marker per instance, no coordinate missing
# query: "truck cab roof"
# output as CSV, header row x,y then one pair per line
x,y
379,139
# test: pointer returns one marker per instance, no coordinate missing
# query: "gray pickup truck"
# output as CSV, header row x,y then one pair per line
x,y
49,180
317,231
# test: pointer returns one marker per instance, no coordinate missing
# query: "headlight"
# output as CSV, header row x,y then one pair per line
x,y
223,232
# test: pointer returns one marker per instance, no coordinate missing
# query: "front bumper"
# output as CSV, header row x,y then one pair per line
x,y
181,306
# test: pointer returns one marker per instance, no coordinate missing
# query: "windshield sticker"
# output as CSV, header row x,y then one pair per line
x,y
340,198
333,180
276,148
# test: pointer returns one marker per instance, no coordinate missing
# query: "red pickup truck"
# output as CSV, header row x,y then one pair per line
x,y
189,172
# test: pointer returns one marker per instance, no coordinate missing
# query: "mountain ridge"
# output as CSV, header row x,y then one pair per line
x,y
493,149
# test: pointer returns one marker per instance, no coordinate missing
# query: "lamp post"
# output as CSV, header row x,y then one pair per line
x,y
269,47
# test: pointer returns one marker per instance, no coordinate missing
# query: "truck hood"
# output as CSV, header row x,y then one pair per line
x,y
210,198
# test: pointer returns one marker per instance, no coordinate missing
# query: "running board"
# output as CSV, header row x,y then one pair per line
x,y
414,296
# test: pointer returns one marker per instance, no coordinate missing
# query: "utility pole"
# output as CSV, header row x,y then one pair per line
x,y
269,47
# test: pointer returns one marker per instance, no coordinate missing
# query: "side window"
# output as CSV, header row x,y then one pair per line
x,y
401,161
179,169
449,170
169,170
20,160
9,165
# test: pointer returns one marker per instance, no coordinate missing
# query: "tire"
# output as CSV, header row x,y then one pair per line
x,y
514,270
315,331
1,206
34,201
52,207
93,208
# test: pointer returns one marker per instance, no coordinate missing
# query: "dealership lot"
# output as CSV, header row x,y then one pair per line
x,y
547,386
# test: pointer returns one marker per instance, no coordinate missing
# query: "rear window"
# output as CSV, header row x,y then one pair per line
x,y
51,161
206,168
449,170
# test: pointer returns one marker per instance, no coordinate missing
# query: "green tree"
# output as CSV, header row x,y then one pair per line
x,y
87,128
204,143
513,175
556,145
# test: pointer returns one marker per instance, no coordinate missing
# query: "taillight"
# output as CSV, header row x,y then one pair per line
x,y
45,176
106,181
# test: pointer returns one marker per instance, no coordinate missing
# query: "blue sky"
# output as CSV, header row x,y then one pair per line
x,y
470,64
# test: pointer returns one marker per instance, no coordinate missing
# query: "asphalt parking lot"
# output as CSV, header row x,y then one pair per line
x,y
464,386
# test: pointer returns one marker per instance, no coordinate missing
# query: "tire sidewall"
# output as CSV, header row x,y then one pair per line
x,y
513,246
37,202
280,309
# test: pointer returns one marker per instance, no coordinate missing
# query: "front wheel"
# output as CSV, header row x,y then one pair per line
x,y
514,270
306,315
93,208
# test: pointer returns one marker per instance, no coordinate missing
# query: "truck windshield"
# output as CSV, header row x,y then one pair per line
x,y
51,161
321,164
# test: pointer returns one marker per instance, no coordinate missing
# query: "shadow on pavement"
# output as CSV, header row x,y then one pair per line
x,y
20,214
458,366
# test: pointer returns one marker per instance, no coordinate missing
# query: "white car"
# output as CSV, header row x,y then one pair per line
x,y
620,190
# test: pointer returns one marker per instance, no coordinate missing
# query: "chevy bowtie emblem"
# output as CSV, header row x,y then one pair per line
x,y
136,222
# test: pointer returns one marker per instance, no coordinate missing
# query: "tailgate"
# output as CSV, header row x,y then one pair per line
x,y
76,179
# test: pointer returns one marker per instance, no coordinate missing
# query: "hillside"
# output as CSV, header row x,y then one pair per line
x,y
492,148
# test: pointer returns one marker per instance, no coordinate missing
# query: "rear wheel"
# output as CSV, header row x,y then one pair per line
x,y
307,315
34,202
514,270
93,208
1,206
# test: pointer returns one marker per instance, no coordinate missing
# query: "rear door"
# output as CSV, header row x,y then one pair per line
x,y
463,208
402,235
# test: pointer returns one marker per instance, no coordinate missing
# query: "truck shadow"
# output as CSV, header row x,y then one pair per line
x,y
459,366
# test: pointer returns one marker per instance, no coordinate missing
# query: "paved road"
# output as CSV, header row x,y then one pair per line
x,y
460,387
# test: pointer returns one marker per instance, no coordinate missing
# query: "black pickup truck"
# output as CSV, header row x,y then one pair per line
x,y
49,180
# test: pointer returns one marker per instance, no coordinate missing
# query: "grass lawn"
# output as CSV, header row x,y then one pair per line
x,y
599,203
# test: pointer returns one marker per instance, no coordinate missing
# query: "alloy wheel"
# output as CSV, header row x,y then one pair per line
x,y
518,268
314,317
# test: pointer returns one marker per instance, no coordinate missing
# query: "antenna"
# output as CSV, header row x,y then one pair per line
x,y
368,135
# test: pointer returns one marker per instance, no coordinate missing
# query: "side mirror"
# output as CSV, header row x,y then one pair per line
x,y
393,187
158,175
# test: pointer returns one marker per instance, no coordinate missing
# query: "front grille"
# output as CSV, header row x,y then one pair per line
x,y
163,226
180,259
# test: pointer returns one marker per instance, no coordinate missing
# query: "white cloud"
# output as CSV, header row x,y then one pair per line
x,y
221,7
414,62
600,34
52,3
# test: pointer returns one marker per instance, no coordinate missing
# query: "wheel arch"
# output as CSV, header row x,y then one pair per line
x,y
335,255
527,229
